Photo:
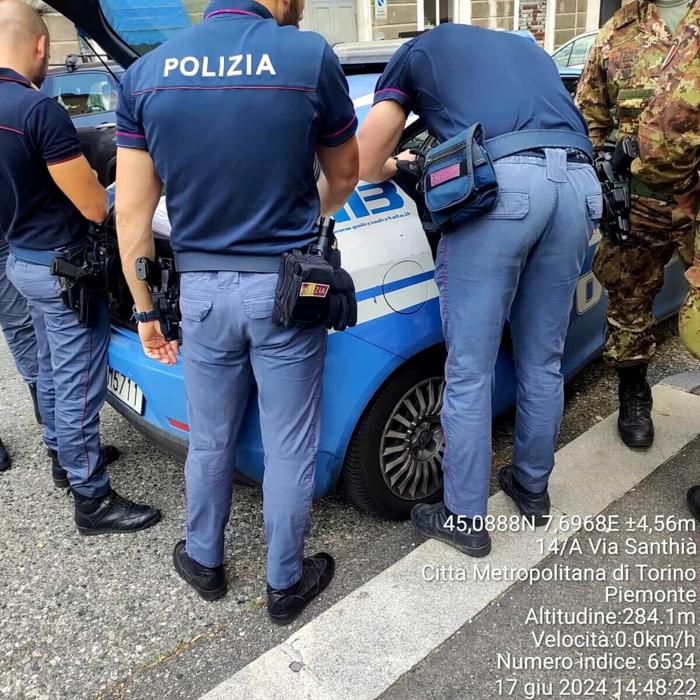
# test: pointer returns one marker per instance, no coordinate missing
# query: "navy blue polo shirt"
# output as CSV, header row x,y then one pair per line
x,y
232,112
35,131
455,75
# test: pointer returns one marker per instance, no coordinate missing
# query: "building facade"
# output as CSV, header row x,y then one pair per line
x,y
553,22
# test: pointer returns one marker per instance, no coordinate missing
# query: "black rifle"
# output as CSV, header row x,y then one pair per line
x,y
613,170
164,282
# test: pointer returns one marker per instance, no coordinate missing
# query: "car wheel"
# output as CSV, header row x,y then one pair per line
x,y
395,456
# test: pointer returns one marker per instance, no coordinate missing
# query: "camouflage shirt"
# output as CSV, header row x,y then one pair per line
x,y
669,130
621,71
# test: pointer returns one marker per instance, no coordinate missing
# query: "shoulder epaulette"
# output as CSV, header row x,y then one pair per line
x,y
627,14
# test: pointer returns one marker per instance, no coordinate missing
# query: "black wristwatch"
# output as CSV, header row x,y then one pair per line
x,y
145,316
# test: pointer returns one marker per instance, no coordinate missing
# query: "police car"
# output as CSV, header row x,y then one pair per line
x,y
381,441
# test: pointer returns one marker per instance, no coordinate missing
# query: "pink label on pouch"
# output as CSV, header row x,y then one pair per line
x,y
444,175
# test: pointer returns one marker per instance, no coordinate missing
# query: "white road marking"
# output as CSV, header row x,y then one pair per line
x,y
360,646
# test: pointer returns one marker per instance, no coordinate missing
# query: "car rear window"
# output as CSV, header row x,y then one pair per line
x,y
83,92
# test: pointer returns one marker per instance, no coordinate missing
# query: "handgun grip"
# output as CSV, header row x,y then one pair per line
x,y
62,268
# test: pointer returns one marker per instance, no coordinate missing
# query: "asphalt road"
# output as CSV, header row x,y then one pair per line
x,y
107,617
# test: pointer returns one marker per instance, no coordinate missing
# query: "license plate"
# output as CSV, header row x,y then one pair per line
x,y
125,390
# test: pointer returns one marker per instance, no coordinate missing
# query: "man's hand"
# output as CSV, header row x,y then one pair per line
x,y
155,345
406,155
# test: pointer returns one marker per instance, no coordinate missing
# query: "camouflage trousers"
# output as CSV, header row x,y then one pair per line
x,y
633,276
689,313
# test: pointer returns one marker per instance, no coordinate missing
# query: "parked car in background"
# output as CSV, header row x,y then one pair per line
x,y
88,92
574,53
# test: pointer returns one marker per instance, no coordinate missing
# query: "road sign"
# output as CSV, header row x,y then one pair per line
x,y
380,9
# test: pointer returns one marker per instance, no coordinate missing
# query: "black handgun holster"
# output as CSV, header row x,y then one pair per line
x,y
303,293
84,300
82,290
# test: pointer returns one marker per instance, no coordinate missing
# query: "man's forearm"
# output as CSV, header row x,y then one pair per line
x,y
332,199
135,241
384,172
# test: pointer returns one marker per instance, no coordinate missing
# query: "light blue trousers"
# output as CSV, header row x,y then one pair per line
x,y
16,323
520,262
72,382
230,342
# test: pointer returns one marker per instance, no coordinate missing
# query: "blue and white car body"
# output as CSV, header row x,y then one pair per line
x,y
388,254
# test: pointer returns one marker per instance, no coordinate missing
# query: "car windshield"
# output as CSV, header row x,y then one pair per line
x,y
580,50
144,26
83,92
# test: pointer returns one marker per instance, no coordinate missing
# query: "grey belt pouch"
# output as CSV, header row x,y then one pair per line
x,y
459,181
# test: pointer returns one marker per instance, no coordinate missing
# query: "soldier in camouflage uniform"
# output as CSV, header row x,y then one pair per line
x,y
669,141
617,82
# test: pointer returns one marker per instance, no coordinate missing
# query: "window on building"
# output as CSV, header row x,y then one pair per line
x,y
437,12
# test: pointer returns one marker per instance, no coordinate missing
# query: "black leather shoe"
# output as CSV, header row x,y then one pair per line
x,y
112,513
209,583
5,459
534,506
434,520
634,423
60,476
694,501
35,401
284,606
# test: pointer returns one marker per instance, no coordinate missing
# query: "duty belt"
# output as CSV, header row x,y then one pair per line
x,y
535,139
46,257
218,262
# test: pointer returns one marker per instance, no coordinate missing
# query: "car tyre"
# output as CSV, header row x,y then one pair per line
x,y
394,459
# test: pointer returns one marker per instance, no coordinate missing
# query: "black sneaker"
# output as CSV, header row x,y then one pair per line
x,y
60,476
434,520
112,514
694,501
284,606
5,459
534,506
209,583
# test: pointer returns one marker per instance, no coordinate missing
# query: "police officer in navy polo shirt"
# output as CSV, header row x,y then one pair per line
x,y
47,193
229,116
519,261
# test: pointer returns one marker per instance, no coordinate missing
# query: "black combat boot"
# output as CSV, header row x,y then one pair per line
x,y
35,401
634,423
5,461
60,477
112,514
286,604
460,532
